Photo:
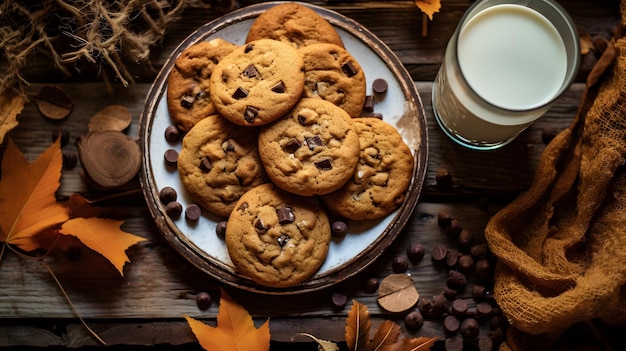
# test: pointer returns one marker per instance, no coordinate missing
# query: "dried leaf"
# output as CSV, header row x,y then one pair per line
x,y
429,7
358,327
421,343
28,204
235,330
322,345
385,337
103,236
11,105
397,293
54,103
113,117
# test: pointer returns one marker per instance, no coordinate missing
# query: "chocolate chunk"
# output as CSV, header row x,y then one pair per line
x,y
250,71
451,324
368,106
174,209
285,215
439,252
205,164
313,142
167,195
243,207
187,101
248,48
172,134
228,146
279,87
452,257
459,306
193,212
379,86
282,240
250,114
171,157
349,69
240,93
414,320
324,165
259,226
292,145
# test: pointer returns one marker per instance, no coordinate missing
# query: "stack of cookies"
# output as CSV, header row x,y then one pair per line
x,y
279,138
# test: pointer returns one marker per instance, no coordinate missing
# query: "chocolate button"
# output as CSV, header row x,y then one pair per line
x,y
379,86
174,209
172,134
285,215
167,195
193,212
171,157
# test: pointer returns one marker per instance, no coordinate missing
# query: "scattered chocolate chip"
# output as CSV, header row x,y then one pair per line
x,y
456,280
368,105
250,114
282,240
291,146
206,165
285,215
478,292
454,229
243,207
452,258
324,165
174,209
250,71
482,268
444,219
440,305
450,293
203,300
248,48
193,212
171,157
485,343
172,134
414,320
349,69
313,142
379,86
220,229
339,228
259,226
187,101
279,87
61,133
400,264
479,251
415,252
339,300
439,252
70,159
465,264
454,344
483,308
425,305
371,284
465,239
240,93
459,306
167,195
451,325
443,179
228,146
469,328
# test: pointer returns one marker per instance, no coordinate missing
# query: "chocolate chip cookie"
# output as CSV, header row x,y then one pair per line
x,y
277,238
333,74
258,82
382,176
219,162
312,150
188,98
294,24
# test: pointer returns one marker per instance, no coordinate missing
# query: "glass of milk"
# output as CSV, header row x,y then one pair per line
x,y
504,66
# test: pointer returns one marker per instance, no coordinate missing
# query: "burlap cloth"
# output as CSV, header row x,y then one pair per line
x,y
561,245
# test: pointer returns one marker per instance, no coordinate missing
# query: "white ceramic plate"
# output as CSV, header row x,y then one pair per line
x,y
366,240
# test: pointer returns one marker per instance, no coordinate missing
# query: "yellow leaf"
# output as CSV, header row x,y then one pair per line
x,y
27,195
235,330
103,236
421,343
429,7
385,337
358,327
11,105
322,345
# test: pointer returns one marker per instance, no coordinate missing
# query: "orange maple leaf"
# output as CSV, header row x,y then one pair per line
x,y
235,330
429,7
103,236
27,202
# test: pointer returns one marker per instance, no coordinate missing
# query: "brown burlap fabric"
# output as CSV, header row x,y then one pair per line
x,y
561,246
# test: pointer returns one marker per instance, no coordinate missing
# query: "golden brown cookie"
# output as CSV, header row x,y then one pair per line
x,y
219,162
313,150
382,176
332,74
294,24
188,98
258,82
277,238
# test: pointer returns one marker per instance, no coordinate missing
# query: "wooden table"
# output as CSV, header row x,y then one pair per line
x,y
145,307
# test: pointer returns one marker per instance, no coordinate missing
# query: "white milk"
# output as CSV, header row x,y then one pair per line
x,y
514,59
